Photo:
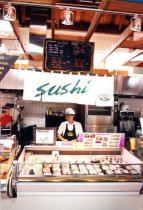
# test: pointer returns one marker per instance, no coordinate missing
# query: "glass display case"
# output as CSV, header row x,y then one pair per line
x,y
53,175
58,164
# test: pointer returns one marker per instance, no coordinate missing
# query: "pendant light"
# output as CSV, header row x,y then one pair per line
x,y
9,12
67,17
136,23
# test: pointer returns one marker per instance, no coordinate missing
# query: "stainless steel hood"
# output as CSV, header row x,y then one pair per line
x,y
129,85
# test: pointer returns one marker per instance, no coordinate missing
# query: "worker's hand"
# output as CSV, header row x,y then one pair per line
x,y
75,140
64,140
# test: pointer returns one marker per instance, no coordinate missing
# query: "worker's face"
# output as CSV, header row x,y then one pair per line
x,y
69,118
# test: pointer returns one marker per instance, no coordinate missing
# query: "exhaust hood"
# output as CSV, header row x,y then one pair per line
x,y
129,85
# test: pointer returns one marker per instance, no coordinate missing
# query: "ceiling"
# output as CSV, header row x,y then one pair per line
x,y
90,16
108,23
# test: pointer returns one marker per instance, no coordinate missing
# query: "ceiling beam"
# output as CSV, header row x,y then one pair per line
x,y
128,32
10,36
33,1
95,22
134,64
69,37
36,57
121,22
93,4
139,64
53,21
131,44
15,27
125,6
107,72
133,55
23,13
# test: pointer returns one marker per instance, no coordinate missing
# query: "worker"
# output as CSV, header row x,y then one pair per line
x,y
69,130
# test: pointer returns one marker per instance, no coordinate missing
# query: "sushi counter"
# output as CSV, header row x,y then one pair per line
x,y
89,174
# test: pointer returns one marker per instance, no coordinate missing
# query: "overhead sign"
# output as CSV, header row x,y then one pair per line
x,y
6,61
80,89
68,55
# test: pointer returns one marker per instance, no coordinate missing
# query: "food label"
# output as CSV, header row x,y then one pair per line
x,y
103,140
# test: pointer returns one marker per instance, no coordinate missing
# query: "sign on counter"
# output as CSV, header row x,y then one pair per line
x,y
103,140
45,136
66,88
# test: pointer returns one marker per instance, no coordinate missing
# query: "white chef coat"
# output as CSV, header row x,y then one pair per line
x,y
78,127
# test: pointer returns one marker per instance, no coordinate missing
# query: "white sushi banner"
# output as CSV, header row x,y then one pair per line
x,y
67,88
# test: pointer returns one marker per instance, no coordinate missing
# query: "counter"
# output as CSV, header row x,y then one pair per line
x,y
87,184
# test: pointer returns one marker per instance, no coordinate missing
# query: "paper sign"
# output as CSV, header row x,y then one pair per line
x,y
44,136
80,89
103,140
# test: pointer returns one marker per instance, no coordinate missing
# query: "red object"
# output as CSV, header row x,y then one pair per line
x,y
5,119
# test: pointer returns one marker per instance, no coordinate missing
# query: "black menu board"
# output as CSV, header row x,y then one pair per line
x,y
68,55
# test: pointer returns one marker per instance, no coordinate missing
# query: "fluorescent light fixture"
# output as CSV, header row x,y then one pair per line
x,y
9,12
67,17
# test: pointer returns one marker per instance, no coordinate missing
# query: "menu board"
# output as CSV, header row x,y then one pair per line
x,y
68,55
103,140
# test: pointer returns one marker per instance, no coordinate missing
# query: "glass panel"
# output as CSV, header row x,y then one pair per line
x,y
78,167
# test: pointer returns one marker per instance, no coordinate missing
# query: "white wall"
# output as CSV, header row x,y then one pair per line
x,y
33,112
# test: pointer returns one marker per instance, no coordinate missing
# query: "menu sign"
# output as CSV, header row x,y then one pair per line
x,y
68,55
6,61
103,140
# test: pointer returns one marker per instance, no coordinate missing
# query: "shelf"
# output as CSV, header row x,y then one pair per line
x,y
56,116
53,120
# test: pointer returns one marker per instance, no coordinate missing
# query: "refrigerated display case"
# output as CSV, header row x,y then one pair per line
x,y
74,176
